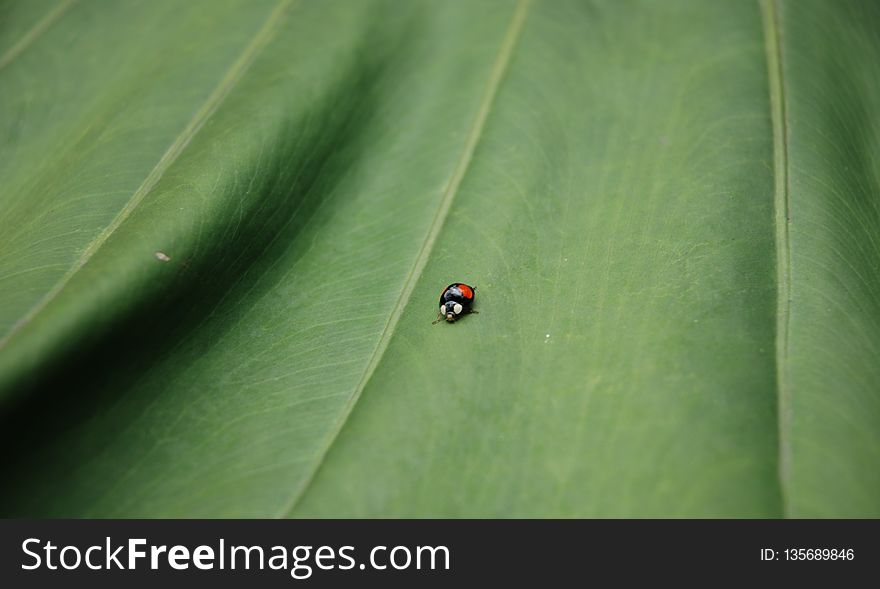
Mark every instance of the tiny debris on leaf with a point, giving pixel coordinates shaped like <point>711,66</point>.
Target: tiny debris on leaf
<point>162,257</point>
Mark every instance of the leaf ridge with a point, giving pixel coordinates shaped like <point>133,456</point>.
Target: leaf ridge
<point>782,205</point>
<point>498,71</point>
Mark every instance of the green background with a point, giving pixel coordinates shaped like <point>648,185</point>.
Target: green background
<point>224,227</point>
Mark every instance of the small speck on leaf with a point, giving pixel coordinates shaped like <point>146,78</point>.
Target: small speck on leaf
<point>162,257</point>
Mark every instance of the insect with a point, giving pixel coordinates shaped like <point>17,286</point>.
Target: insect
<point>456,300</point>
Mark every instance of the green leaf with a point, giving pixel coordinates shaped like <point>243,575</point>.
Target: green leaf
<point>829,81</point>
<point>224,228</point>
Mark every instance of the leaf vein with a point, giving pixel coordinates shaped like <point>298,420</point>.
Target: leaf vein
<point>782,200</point>
<point>498,71</point>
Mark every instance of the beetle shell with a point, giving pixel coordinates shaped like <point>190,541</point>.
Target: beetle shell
<point>456,300</point>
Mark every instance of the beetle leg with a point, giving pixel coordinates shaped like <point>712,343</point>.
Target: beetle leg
<point>439,318</point>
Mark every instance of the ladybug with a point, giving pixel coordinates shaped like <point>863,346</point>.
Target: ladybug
<point>456,300</point>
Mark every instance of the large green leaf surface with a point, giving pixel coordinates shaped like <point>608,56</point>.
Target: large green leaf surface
<point>224,227</point>
<point>830,361</point>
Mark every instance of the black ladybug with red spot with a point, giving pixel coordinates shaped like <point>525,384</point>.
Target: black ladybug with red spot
<point>456,300</point>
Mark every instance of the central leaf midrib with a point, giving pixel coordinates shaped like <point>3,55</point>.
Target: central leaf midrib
<point>475,133</point>
<point>782,206</point>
